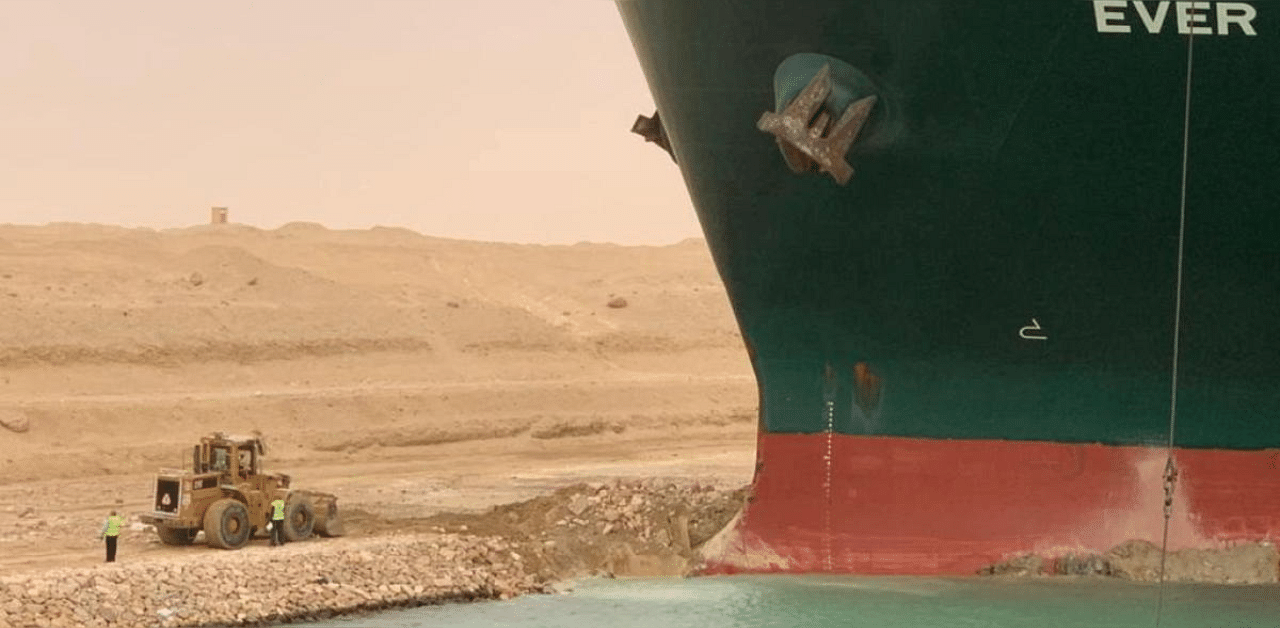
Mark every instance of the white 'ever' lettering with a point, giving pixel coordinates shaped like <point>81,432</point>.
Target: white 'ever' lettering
<point>1191,18</point>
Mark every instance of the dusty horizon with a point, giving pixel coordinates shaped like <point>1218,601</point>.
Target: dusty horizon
<point>490,121</point>
<point>293,225</point>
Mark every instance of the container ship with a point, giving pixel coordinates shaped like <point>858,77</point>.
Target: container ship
<point>1006,271</point>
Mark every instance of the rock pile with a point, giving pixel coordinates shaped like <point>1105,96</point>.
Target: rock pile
<point>1242,563</point>
<point>636,528</point>
<point>257,585</point>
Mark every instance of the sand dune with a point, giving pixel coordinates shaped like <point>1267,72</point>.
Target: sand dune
<point>303,287</point>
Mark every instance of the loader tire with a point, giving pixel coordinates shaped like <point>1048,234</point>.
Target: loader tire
<point>176,536</point>
<point>331,524</point>
<point>226,524</point>
<point>299,519</point>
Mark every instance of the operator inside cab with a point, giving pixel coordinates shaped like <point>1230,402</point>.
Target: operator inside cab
<point>220,459</point>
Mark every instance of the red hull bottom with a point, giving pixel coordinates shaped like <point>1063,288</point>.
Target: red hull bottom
<point>879,505</point>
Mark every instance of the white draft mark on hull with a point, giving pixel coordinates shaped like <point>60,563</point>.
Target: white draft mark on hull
<point>1032,332</point>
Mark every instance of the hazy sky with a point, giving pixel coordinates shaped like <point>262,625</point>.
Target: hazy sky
<point>483,119</point>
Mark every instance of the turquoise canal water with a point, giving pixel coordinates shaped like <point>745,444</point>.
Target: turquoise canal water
<point>851,601</point>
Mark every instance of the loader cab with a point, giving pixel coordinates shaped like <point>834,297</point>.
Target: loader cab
<point>231,457</point>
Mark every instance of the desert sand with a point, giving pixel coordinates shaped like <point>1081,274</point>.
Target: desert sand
<point>407,374</point>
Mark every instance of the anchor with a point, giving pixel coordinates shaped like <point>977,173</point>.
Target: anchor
<point>808,138</point>
<point>651,130</point>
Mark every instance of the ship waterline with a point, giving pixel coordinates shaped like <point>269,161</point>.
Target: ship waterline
<point>886,505</point>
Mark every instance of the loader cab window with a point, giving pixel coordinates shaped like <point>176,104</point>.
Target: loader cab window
<point>221,459</point>
<point>246,460</point>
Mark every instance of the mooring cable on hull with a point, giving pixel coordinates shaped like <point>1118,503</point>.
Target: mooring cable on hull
<point>1171,469</point>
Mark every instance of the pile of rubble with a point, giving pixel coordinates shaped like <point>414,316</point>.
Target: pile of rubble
<point>1242,563</point>
<point>633,528</point>
<point>259,585</point>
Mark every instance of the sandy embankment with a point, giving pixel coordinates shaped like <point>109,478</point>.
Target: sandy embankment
<point>408,375</point>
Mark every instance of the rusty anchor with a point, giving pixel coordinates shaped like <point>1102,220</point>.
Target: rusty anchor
<point>805,132</point>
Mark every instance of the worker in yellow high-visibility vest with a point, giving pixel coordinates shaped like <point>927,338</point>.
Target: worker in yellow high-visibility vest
<point>111,533</point>
<point>277,521</point>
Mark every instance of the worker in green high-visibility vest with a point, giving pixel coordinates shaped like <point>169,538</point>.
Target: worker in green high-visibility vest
<point>111,533</point>
<point>277,521</point>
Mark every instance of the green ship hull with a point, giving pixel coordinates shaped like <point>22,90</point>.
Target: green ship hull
<point>1054,233</point>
